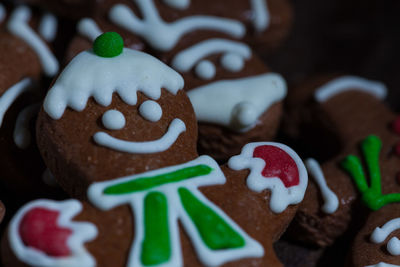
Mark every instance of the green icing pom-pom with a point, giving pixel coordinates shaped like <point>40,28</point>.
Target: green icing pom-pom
<point>109,44</point>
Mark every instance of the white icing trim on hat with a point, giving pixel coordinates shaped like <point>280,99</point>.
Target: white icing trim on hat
<point>11,94</point>
<point>164,36</point>
<point>381,233</point>
<point>89,29</point>
<point>350,83</point>
<point>82,232</point>
<point>331,200</point>
<point>22,135</point>
<point>175,128</point>
<point>260,17</point>
<point>178,4</point>
<point>186,59</point>
<point>48,27</point>
<point>244,100</point>
<point>19,26</point>
<point>3,13</point>
<point>89,75</point>
<point>281,197</point>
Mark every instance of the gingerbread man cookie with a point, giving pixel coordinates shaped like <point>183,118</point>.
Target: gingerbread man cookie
<point>122,135</point>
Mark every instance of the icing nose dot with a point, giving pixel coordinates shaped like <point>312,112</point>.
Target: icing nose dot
<point>150,110</point>
<point>113,120</point>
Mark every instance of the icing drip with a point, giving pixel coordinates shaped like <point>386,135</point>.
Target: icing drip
<point>88,75</point>
<point>18,25</point>
<point>261,16</point>
<point>48,27</point>
<point>164,36</point>
<point>205,70</point>
<point>381,233</point>
<point>113,120</point>
<point>12,94</point>
<point>80,233</point>
<point>285,185</point>
<point>22,135</point>
<point>2,13</point>
<point>331,200</point>
<point>178,4</point>
<point>175,128</point>
<point>89,29</point>
<point>186,59</point>
<point>159,199</point>
<point>244,100</point>
<point>150,110</point>
<point>348,83</point>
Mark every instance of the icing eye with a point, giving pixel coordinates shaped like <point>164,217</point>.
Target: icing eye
<point>113,120</point>
<point>232,62</point>
<point>205,70</point>
<point>150,110</point>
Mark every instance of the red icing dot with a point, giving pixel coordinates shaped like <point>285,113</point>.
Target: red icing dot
<point>396,125</point>
<point>38,229</point>
<point>278,164</point>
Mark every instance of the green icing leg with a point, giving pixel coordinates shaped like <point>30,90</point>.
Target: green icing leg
<point>156,248</point>
<point>215,232</point>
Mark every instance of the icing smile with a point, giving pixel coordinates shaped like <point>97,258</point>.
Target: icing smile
<point>175,128</point>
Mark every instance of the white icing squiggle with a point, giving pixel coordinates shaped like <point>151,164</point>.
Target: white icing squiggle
<point>19,26</point>
<point>261,17</point>
<point>164,36</point>
<point>88,75</point>
<point>2,13</point>
<point>348,83</point>
<point>383,264</point>
<point>88,28</point>
<point>11,95</point>
<point>187,58</point>
<point>244,100</point>
<point>330,198</point>
<point>381,233</point>
<point>22,135</point>
<point>48,27</point>
<point>175,128</point>
<point>178,4</point>
<point>82,232</point>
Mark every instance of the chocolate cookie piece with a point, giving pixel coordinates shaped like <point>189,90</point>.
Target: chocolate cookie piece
<point>130,138</point>
<point>353,109</point>
<point>26,58</point>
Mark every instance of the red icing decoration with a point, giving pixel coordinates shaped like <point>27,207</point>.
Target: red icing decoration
<point>396,125</point>
<point>38,229</point>
<point>278,163</point>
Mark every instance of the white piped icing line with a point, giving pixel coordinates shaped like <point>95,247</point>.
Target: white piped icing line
<point>186,59</point>
<point>331,200</point>
<point>22,135</point>
<point>81,232</point>
<point>89,75</point>
<point>176,127</point>
<point>89,29</point>
<point>176,211</point>
<point>48,27</point>
<point>11,94</point>
<point>281,196</point>
<point>164,36</point>
<point>349,83</point>
<point>150,110</point>
<point>381,233</point>
<point>19,26</point>
<point>383,264</point>
<point>178,4</point>
<point>261,17</point>
<point>3,13</point>
<point>113,120</point>
<point>244,100</point>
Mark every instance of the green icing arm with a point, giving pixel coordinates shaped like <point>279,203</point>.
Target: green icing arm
<point>215,232</point>
<point>352,165</point>
<point>156,248</point>
<point>145,183</point>
<point>371,146</point>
